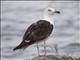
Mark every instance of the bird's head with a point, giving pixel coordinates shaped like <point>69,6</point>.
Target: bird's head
<point>48,13</point>
<point>51,11</point>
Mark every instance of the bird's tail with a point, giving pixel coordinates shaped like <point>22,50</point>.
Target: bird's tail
<point>23,45</point>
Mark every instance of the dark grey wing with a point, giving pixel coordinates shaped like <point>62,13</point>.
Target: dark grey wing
<point>26,38</point>
<point>35,33</point>
<point>29,31</point>
<point>38,31</point>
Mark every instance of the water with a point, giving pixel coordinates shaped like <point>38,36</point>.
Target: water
<point>17,16</point>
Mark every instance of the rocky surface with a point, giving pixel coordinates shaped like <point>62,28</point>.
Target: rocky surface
<point>51,57</point>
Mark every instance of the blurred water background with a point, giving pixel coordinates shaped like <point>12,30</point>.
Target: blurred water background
<point>16,16</point>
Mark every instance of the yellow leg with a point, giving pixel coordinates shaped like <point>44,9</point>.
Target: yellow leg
<point>38,49</point>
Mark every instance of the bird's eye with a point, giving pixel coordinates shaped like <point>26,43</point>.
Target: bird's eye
<point>49,10</point>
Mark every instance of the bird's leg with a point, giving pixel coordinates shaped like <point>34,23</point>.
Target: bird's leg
<point>45,48</point>
<point>38,49</point>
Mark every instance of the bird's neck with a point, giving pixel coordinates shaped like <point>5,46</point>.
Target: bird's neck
<point>47,18</point>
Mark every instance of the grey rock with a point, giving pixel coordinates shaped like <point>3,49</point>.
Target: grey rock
<point>52,57</point>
